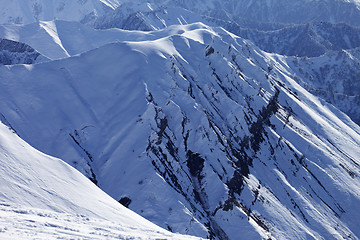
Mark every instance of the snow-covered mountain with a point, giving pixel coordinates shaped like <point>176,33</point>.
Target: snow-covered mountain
<point>335,77</point>
<point>197,130</point>
<point>306,40</point>
<point>280,36</point>
<point>42,197</point>
<point>59,39</point>
<point>310,39</point>
<point>29,11</point>
<point>184,112</point>
<point>278,11</point>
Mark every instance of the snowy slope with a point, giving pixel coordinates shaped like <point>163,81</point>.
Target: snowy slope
<point>31,223</point>
<point>198,131</point>
<point>42,197</point>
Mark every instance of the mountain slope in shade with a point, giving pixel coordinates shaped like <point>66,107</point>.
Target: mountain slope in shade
<point>42,197</point>
<point>12,52</point>
<point>198,131</point>
<point>278,11</point>
<point>305,40</point>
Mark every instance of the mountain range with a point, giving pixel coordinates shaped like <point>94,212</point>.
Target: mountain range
<point>217,119</point>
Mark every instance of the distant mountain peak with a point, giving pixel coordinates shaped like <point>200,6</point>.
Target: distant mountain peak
<point>24,12</point>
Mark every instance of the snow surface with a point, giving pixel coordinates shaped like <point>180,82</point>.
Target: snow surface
<point>42,197</point>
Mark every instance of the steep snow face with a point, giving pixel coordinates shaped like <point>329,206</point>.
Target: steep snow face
<point>198,131</point>
<point>43,197</point>
<point>24,12</point>
<point>12,52</point>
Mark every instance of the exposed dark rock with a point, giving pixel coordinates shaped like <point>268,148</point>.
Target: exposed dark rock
<point>125,201</point>
<point>235,184</point>
<point>195,163</point>
<point>257,128</point>
<point>12,52</point>
<point>92,176</point>
<point>210,51</point>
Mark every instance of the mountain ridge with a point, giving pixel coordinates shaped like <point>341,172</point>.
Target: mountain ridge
<point>180,120</point>
<point>198,74</point>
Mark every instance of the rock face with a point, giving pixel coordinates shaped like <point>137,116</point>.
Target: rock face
<point>12,52</point>
<point>198,131</point>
